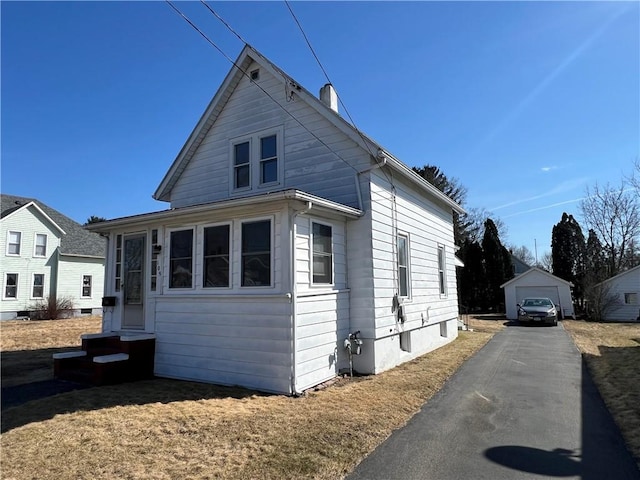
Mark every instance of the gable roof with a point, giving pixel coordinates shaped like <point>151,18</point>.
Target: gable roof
<point>626,272</point>
<point>530,271</point>
<point>75,240</point>
<point>219,100</point>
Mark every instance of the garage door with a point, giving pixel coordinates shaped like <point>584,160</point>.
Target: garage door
<point>547,292</point>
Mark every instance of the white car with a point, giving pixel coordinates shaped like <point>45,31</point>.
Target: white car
<point>540,310</point>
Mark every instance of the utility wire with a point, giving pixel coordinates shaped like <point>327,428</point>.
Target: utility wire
<point>212,43</point>
<point>326,75</point>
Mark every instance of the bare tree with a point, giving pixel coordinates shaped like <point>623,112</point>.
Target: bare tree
<point>523,253</point>
<point>600,300</point>
<point>545,262</point>
<point>614,215</point>
<point>474,221</point>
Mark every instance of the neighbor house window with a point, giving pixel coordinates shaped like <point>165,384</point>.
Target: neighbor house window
<point>322,254</point>
<point>86,286</point>
<point>255,160</point>
<point>442,274</point>
<point>40,249</point>
<point>631,298</point>
<point>403,265</point>
<point>216,256</point>
<point>38,286</point>
<point>242,165</point>
<point>181,259</point>
<point>13,244</point>
<point>256,254</point>
<point>11,285</point>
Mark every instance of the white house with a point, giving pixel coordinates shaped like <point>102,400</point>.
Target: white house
<point>46,254</point>
<point>626,287</point>
<point>535,282</point>
<point>287,231</point>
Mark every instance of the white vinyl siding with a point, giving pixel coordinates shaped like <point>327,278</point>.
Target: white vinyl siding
<point>71,271</point>
<point>303,162</point>
<point>225,339</point>
<point>626,288</point>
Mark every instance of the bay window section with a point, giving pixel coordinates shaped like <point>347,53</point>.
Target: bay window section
<point>256,254</point>
<point>216,256</point>
<point>181,259</point>
<point>322,254</point>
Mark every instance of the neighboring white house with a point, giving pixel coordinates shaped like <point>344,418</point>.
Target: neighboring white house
<point>626,287</point>
<point>287,231</point>
<point>535,282</point>
<point>46,253</point>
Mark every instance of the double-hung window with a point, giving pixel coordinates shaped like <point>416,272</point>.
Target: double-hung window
<point>11,285</point>
<point>40,249</point>
<point>442,272</point>
<point>216,256</point>
<point>13,244</point>
<point>631,298</point>
<point>86,286</point>
<point>256,160</point>
<point>181,259</point>
<point>322,254</point>
<point>38,285</point>
<point>256,254</point>
<point>403,265</point>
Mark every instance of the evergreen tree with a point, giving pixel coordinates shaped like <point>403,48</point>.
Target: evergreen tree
<point>595,265</point>
<point>567,253</point>
<point>472,278</point>
<point>497,264</point>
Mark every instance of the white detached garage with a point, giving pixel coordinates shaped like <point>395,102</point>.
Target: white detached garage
<point>537,283</point>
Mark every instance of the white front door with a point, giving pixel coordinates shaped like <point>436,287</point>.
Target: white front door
<point>133,282</point>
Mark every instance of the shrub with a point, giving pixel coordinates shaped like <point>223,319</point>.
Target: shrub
<point>51,308</point>
<point>600,300</point>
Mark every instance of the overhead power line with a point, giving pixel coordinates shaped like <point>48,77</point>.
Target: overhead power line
<point>246,74</point>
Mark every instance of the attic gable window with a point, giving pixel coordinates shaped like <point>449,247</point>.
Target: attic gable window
<point>256,161</point>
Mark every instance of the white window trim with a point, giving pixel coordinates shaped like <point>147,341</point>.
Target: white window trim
<point>35,245</point>
<point>254,160</point>
<point>82,286</point>
<point>333,255</point>
<point>444,270</point>
<point>33,284</point>
<point>624,298</point>
<point>272,284</point>
<point>200,274</point>
<point>194,253</point>
<point>8,244</point>
<point>408,266</point>
<point>4,287</point>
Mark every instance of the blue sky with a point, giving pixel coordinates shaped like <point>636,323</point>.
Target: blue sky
<point>525,103</point>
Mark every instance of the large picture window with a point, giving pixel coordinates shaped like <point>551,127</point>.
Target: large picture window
<point>442,272</point>
<point>13,244</point>
<point>38,285</point>
<point>181,259</point>
<point>322,254</point>
<point>11,285</point>
<point>216,256</point>
<point>256,254</point>
<point>40,249</point>
<point>403,265</point>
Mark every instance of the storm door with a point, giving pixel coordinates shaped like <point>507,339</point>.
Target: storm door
<point>133,281</point>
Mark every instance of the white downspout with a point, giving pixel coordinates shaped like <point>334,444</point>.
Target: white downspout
<point>294,291</point>
<point>357,177</point>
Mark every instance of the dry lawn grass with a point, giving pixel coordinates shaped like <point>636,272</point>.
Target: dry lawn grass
<point>27,346</point>
<point>164,429</point>
<point>612,354</point>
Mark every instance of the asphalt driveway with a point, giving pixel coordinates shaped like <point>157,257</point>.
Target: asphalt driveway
<point>524,407</point>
